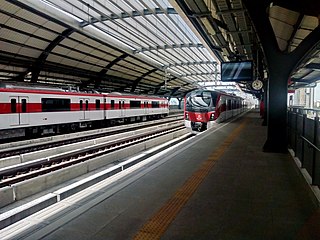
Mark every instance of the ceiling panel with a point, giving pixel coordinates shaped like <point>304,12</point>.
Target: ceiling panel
<point>29,52</point>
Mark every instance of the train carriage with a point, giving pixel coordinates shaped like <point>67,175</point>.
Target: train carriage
<point>204,108</point>
<point>27,110</point>
<point>134,107</point>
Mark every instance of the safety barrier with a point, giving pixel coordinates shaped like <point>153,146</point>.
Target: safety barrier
<point>304,139</point>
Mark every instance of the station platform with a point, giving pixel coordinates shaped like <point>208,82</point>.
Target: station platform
<point>218,185</point>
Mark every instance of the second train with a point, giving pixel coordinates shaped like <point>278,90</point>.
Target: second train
<point>204,108</point>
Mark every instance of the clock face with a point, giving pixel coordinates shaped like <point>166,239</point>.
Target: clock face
<point>257,84</point>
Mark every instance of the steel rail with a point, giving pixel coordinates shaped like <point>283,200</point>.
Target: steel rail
<point>30,170</point>
<point>27,149</point>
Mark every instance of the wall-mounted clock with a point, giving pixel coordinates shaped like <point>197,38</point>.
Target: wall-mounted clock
<point>257,84</point>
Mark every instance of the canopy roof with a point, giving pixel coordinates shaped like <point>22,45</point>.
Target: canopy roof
<point>226,23</point>
<point>162,47</point>
<point>132,46</point>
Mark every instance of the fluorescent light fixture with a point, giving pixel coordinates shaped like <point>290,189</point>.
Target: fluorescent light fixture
<point>108,35</point>
<point>150,58</point>
<point>61,10</point>
<point>174,71</point>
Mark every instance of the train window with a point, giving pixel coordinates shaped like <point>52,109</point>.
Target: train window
<point>135,104</point>
<point>13,105</point>
<point>154,104</point>
<point>200,101</point>
<point>87,105</point>
<point>229,104</point>
<point>97,104</point>
<point>206,97</point>
<point>123,104</point>
<point>112,104</point>
<point>55,104</point>
<point>81,107</point>
<point>214,96</point>
<point>24,105</point>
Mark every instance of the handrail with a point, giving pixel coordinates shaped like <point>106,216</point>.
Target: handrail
<point>311,112</point>
<point>310,143</point>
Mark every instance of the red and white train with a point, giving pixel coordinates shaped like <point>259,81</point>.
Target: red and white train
<point>26,110</point>
<point>203,108</point>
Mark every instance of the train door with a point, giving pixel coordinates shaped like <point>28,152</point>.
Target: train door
<point>229,109</point>
<point>84,108</point>
<point>20,115</point>
<point>121,108</point>
<point>145,107</point>
<point>223,109</point>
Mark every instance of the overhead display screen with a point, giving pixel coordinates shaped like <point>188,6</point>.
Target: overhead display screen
<point>236,71</point>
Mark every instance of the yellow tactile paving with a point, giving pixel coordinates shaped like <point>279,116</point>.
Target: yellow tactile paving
<point>157,225</point>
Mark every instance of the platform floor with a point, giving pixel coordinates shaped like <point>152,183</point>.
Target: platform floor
<point>219,186</point>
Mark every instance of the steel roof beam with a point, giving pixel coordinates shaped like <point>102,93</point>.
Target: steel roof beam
<point>240,10</point>
<point>166,46</point>
<point>191,63</point>
<point>156,90</point>
<point>137,14</point>
<point>141,38</point>
<point>29,8</point>
<point>173,91</point>
<point>99,75</point>
<point>165,58</point>
<point>112,63</point>
<point>198,74</point>
<point>173,39</point>
<point>295,30</point>
<point>200,29</point>
<point>136,82</point>
<point>314,66</point>
<point>123,15</point>
<point>37,66</point>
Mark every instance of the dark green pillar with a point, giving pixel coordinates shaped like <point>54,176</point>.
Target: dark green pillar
<point>277,111</point>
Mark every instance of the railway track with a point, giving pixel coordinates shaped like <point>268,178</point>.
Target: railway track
<point>28,170</point>
<point>40,146</point>
<point>36,172</point>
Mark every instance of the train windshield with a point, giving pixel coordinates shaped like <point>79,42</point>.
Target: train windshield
<point>201,101</point>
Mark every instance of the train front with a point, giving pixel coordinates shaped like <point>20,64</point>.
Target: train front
<point>199,110</point>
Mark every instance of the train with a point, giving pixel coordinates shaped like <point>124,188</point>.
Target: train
<point>204,108</point>
<point>28,110</point>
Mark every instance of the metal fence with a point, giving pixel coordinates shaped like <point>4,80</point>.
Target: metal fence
<point>304,139</point>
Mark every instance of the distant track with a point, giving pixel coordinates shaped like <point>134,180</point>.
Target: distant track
<point>21,172</point>
<point>40,146</point>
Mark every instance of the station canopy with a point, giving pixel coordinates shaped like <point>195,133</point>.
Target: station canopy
<point>227,24</point>
<point>141,46</point>
<point>158,47</point>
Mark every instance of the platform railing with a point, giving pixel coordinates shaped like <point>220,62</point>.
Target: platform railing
<point>304,139</point>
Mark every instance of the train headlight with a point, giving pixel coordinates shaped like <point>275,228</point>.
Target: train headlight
<point>187,116</point>
<point>212,116</point>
